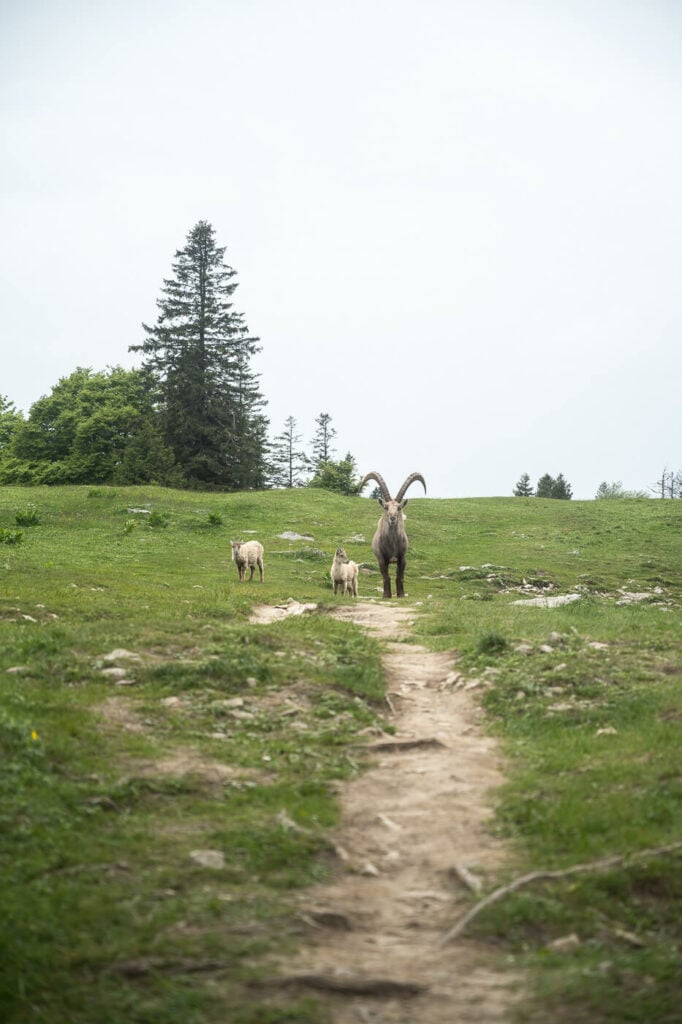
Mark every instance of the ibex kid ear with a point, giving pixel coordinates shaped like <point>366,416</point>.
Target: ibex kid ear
<point>404,502</point>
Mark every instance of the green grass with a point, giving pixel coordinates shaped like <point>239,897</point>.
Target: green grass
<point>107,790</point>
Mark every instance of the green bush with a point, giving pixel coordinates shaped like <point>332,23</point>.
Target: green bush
<point>27,516</point>
<point>11,536</point>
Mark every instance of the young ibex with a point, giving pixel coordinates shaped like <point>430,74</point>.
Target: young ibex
<point>247,556</point>
<point>390,540</point>
<point>344,574</point>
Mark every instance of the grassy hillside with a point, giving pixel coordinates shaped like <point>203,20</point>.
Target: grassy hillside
<point>216,735</point>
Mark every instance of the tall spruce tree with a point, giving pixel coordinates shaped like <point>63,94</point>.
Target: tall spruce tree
<point>197,358</point>
<point>322,441</point>
<point>289,461</point>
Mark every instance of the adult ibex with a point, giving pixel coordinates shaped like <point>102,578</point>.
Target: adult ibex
<point>390,540</point>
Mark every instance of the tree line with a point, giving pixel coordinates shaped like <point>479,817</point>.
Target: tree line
<point>192,415</point>
<point>669,485</point>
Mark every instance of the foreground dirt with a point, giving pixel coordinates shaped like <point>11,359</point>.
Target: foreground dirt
<point>419,813</point>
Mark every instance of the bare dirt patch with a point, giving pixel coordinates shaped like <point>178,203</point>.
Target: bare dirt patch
<point>420,811</point>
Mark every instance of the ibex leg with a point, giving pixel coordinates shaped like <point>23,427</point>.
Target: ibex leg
<point>383,567</point>
<point>400,576</point>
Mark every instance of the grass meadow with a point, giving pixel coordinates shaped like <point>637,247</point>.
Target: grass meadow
<point>144,721</point>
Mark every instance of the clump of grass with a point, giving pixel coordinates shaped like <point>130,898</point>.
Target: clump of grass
<point>11,536</point>
<point>215,519</point>
<point>27,516</point>
<point>158,520</point>
<point>491,643</point>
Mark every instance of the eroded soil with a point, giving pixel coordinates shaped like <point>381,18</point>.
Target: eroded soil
<point>420,810</point>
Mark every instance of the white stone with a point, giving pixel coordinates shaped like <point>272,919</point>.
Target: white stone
<point>208,858</point>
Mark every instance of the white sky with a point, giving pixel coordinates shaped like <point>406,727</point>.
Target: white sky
<point>456,224</point>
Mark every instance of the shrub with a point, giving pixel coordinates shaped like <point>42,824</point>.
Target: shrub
<point>158,520</point>
<point>27,516</point>
<point>11,536</point>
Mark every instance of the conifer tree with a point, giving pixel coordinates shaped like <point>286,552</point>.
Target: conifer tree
<point>523,487</point>
<point>197,358</point>
<point>288,460</point>
<point>562,488</point>
<point>544,486</point>
<point>322,441</point>
<point>549,487</point>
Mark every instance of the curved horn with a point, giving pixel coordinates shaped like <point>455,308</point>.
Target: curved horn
<point>380,480</point>
<point>410,480</point>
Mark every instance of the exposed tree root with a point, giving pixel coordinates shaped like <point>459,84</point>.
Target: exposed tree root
<point>347,984</point>
<point>540,876</point>
<point>388,745</point>
<point>179,965</point>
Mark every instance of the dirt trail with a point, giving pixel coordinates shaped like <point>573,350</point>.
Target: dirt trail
<point>406,821</point>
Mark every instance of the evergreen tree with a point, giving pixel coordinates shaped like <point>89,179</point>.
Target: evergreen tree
<point>523,488</point>
<point>197,358</point>
<point>322,441</point>
<point>341,476</point>
<point>561,488</point>
<point>549,487</point>
<point>288,460</point>
<point>545,486</point>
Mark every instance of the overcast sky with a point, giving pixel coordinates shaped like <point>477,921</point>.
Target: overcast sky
<point>456,224</point>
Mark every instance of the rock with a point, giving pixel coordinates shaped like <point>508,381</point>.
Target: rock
<point>546,649</point>
<point>120,654</point>
<point>607,731</point>
<point>549,602</point>
<point>632,598</point>
<point>113,673</point>
<point>16,670</point>
<point>523,648</point>
<point>291,535</point>
<point>208,858</point>
<point>595,645</point>
<point>468,878</point>
<point>329,919</point>
<point>565,944</point>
